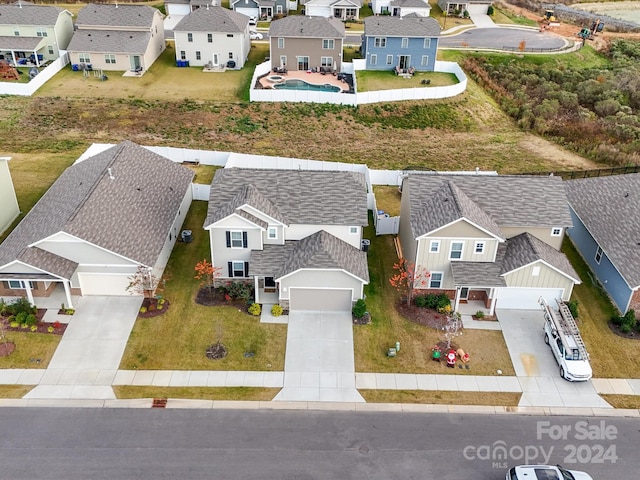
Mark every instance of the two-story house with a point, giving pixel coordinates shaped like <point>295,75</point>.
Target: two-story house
<point>213,35</point>
<point>10,210</point>
<point>33,32</point>
<point>301,43</point>
<point>117,37</point>
<point>400,43</point>
<point>489,238</point>
<point>295,234</point>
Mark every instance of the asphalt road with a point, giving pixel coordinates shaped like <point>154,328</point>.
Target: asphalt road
<point>58,443</point>
<point>500,38</point>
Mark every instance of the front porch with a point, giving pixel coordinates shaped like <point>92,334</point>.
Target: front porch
<point>477,282</point>
<point>51,303</point>
<point>53,298</point>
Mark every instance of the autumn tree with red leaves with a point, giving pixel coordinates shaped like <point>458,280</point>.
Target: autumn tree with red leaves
<point>407,278</point>
<point>206,273</point>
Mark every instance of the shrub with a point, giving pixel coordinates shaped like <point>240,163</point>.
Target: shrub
<point>21,317</point>
<point>34,328</point>
<point>143,309</point>
<point>276,310</point>
<point>616,320</point>
<point>14,324</point>
<point>573,308</point>
<point>490,10</point>
<point>421,301</point>
<point>21,305</point>
<point>69,311</point>
<point>152,307</point>
<point>239,291</point>
<point>161,301</point>
<point>438,301</point>
<point>3,307</point>
<point>359,309</point>
<point>625,328</point>
<point>31,320</point>
<point>24,326</point>
<point>50,329</point>
<point>255,309</point>
<point>479,314</point>
<point>159,306</point>
<point>57,324</point>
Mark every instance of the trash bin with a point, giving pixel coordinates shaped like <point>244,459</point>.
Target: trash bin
<point>186,236</point>
<point>365,244</point>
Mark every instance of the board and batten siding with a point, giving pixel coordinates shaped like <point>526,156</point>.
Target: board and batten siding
<point>546,278</point>
<point>541,233</point>
<point>336,279</point>
<point>299,231</point>
<point>80,251</point>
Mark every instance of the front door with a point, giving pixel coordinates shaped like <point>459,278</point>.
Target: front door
<point>135,62</point>
<point>404,62</point>
<point>216,61</point>
<point>303,63</point>
<point>464,294</point>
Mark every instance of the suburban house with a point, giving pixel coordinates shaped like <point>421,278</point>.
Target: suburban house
<point>606,232</point>
<point>453,7</point>
<point>301,43</point>
<point>10,209</point>
<point>400,8</point>
<point>490,238</point>
<point>213,36</point>
<point>185,7</point>
<point>101,220</point>
<point>341,9</point>
<point>262,9</point>
<point>400,43</point>
<point>295,234</point>
<point>33,32</point>
<point>117,37</point>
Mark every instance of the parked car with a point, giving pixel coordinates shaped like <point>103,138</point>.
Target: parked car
<point>253,20</point>
<point>255,35</point>
<point>548,472</point>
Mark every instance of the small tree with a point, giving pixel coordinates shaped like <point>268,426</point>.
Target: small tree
<point>143,282</point>
<point>206,273</point>
<point>407,278</point>
<point>453,328</point>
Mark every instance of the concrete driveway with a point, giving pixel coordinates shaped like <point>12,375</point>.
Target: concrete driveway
<point>89,354</point>
<point>536,368</point>
<point>319,363</point>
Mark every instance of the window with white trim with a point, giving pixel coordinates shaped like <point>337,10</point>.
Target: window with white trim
<point>84,58</point>
<point>283,60</point>
<point>50,48</point>
<point>236,239</point>
<point>16,32</point>
<point>183,55</point>
<point>209,37</point>
<point>110,58</point>
<point>374,59</point>
<point>427,43</point>
<point>198,55</point>
<point>405,43</point>
<point>380,42</point>
<point>326,61</point>
<point>41,32</point>
<point>190,37</point>
<point>389,59</point>
<point>478,247</point>
<point>353,230</point>
<point>435,281</point>
<point>535,272</point>
<point>599,254</point>
<point>424,61</point>
<point>272,233</point>
<point>434,246</point>
<point>328,44</point>
<point>237,269</point>
<point>281,43</point>
<point>19,284</point>
<point>556,231</point>
<point>456,250</point>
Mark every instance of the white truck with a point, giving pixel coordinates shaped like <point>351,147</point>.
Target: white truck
<point>563,337</point>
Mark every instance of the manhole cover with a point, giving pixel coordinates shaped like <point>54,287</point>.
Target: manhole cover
<point>364,450</point>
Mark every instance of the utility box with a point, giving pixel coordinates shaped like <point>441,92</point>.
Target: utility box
<point>366,243</point>
<point>186,236</point>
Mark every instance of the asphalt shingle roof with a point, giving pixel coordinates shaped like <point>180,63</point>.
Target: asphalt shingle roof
<point>525,249</point>
<point>39,15</point>
<point>609,207</point>
<point>304,197</point>
<point>129,214</point>
<point>307,27</point>
<point>15,43</point>
<point>320,250</point>
<point>508,200</point>
<point>410,3</point>
<point>109,41</point>
<point>115,15</point>
<point>213,19</point>
<point>401,26</point>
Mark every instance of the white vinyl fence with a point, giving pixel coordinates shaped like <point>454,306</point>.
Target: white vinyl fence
<point>28,89</point>
<point>200,191</point>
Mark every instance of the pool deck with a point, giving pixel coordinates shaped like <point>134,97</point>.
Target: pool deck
<point>315,78</point>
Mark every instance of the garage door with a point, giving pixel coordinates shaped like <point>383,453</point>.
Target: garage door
<point>320,299</point>
<point>481,8</point>
<point>514,298</point>
<point>100,284</point>
<point>177,9</point>
<point>249,12</point>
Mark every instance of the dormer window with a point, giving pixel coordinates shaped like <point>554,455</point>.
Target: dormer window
<point>353,230</point>
<point>272,233</point>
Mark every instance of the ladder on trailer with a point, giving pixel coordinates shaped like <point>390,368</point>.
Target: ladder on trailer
<point>565,323</point>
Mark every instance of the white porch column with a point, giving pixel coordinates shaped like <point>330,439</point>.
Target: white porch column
<point>27,288</point>
<point>67,292</point>
<point>457,301</point>
<point>255,287</point>
<point>492,307</point>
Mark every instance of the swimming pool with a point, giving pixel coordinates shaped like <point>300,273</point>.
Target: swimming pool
<point>295,84</point>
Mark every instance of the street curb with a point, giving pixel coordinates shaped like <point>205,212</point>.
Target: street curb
<point>177,404</point>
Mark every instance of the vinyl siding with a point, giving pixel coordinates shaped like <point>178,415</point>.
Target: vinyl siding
<point>306,47</point>
<point>320,279</point>
<point>80,251</point>
<point>221,254</point>
<point>10,210</point>
<point>409,244</point>
<point>393,47</point>
<point>547,278</point>
<point>541,233</point>
<point>222,45</point>
<point>298,232</point>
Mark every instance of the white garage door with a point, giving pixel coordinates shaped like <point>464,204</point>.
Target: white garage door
<point>176,9</point>
<point>514,298</point>
<point>249,12</point>
<point>101,284</point>
<point>478,8</point>
<point>328,300</point>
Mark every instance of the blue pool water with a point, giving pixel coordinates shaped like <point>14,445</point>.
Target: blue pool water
<point>295,84</point>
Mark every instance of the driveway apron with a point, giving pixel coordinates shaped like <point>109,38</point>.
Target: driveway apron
<point>319,363</point>
<point>536,368</point>
<point>88,356</point>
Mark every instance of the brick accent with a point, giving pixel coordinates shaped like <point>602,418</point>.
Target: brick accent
<point>39,290</point>
<point>635,303</point>
<point>426,291</point>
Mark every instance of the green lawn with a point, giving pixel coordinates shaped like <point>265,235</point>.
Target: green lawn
<point>505,16</point>
<point>197,393</point>
<point>442,397</point>
<point>487,348</point>
<point>388,199</point>
<point>30,347</point>
<point>178,339</point>
<point>371,80</point>
<point>14,391</point>
<point>611,356</point>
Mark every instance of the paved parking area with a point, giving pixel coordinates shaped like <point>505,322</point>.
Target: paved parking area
<point>536,368</point>
<point>319,362</point>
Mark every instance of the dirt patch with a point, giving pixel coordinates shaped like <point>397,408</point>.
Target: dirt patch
<point>216,351</point>
<point>563,158</point>
<point>422,316</point>
<point>7,348</point>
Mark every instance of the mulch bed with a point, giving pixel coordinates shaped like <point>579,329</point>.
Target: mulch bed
<point>365,320</point>
<point>7,348</point>
<point>42,327</point>
<point>216,351</point>
<point>214,298</point>
<point>422,316</point>
<point>632,335</point>
<point>151,304</point>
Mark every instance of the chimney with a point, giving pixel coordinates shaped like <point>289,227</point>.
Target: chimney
<point>110,173</point>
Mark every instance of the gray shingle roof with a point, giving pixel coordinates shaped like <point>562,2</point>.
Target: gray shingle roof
<point>39,15</point>
<point>320,250</point>
<point>109,41</point>
<point>307,27</point>
<point>410,3</point>
<point>449,203</point>
<point>525,249</point>
<point>401,26</point>
<point>130,214</point>
<point>29,43</point>
<point>291,196</point>
<point>213,19</point>
<point>609,207</point>
<point>118,15</point>
<point>508,200</point>
<point>478,274</point>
